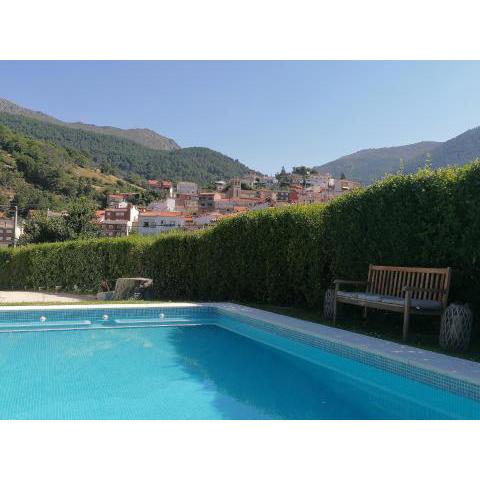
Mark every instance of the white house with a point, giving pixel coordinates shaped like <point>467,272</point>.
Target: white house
<point>119,221</point>
<point>206,218</point>
<point>152,222</point>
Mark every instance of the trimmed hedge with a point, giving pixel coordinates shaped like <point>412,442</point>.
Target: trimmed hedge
<point>82,264</point>
<point>285,255</point>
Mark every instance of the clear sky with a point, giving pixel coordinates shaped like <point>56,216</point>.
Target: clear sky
<point>266,114</point>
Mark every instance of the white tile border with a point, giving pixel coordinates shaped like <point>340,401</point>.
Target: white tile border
<point>439,363</point>
<point>93,306</point>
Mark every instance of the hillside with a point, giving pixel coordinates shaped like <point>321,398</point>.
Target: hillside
<point>142,136</point>
<point>36,174</point>
<point>457,151</point>
<point>371,164</point>
<point>126,158</point>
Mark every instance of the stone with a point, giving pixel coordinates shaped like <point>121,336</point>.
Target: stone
<point>132,288</point>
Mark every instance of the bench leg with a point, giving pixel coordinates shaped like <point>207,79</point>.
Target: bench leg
<point>335,307</point>
<point>406,316</point>
<point>406,321</point>
<point>365,312</point>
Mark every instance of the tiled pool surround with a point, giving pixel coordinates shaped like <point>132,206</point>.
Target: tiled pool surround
<point>448,373</point>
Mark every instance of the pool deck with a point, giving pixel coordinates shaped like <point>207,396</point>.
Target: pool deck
<point>439,363</point>
<point>41,297</point>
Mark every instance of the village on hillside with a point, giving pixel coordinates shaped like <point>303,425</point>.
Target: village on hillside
<point>186,206</point>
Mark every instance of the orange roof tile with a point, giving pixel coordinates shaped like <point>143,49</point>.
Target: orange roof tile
<point>151,213</point>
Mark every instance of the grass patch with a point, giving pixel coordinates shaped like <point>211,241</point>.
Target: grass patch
<point>423,333</point>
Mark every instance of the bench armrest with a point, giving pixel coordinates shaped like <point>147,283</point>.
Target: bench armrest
<point>349,282</point>
<point>426,290</point>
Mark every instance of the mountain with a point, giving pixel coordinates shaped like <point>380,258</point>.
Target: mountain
<point>120,156</point>
<point>457,151</point>
<point>142,136</point>
<point>371,164</point>
<point>38,174</point>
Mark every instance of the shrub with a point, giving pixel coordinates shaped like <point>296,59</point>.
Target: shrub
<point>81,263</point>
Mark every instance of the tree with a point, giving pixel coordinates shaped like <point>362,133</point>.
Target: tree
<point>41,229</point>
<point>304,172</point>
<point>4,200</point>
<point>283,178</point>
<point>80,219</point>
<point>428,161</point>
<point>342,176</point>
<point>78,222</point>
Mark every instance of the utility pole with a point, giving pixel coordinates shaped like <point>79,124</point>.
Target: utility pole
<point>15,223</point>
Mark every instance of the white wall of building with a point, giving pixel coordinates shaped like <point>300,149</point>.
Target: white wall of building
<point>167,205</point>
<point>153,224</point>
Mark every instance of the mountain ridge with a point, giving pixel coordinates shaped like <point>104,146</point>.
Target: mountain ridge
<point>370,164</point>
<point>123,157</point>
<point>143,136</point>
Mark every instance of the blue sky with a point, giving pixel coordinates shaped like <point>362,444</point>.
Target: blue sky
<point>266,114</point>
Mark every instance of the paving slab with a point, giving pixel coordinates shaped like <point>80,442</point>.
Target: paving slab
<point>41,297</point>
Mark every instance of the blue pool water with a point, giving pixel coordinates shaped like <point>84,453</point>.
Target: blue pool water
<point>197,370</point>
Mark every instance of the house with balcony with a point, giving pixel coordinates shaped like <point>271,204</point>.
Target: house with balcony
<point>118,221</point>
<point>9,235</point>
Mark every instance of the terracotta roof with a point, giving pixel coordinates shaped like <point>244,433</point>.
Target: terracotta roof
<point>161,214</point>
<point>116,210</point>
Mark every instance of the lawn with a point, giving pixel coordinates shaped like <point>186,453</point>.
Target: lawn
<point>388,326</point>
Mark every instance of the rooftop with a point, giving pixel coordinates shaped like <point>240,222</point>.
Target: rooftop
<point>161,214</point>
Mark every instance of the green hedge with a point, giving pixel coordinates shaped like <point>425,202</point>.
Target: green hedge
<point>81,264</point>
<point>286,255</point>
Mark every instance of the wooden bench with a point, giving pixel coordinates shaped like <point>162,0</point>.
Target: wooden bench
<point>411,290</point>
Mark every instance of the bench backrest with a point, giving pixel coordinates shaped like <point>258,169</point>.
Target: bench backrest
<point>387,280</point>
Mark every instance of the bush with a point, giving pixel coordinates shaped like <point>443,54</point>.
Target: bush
<point>82,263</point>
<point>285,255</point>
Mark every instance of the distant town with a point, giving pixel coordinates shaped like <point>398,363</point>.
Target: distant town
<point>186,206</point>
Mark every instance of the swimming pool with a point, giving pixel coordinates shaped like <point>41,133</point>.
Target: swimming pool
<point>213,362</point>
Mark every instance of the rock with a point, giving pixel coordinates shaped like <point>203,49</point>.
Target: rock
<point>132,288</point>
